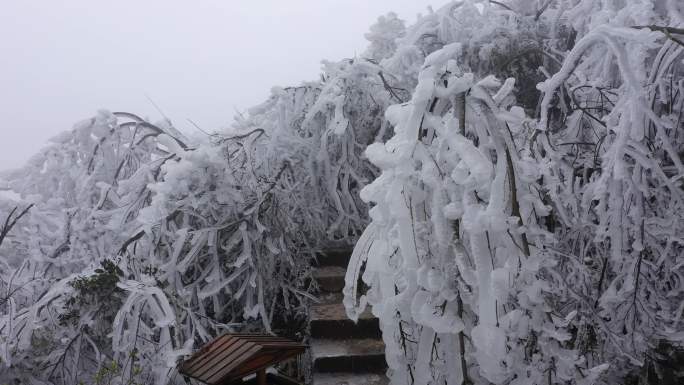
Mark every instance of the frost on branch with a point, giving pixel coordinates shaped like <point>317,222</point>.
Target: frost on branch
<point>532,243</point>
<point>198,238</point>
<point>522,165</point>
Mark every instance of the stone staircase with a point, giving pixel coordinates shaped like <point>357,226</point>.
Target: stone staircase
<point>343,352</point>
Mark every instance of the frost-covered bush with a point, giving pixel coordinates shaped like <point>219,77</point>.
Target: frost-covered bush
<point>521,237</point>
<point>383,36</point>
<point>522,165</point>
<point>86,188</point>
<point>204,237</point>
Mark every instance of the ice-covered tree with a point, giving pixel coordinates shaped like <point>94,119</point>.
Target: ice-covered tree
<point>522,165</point>
<point>530,244</point>
<point>161,245</point>
<point>87,187</point>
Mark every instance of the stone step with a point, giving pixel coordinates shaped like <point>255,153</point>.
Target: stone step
<point>329,321</point>
<point>330,297</point>
<point>350,379</point>
<point>335,257</point>
<point>355,356</point>
<point>330,278</point>
<point>334,311</point>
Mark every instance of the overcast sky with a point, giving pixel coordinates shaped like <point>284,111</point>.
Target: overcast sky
<point>61,61</point>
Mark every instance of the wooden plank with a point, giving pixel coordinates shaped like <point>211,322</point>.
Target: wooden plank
<point>231,357</point>
<point>240,356</point>
<point>219,360</point>
<point>209,349</point>
<point>254,364</point>
<point>197,365</point>
<point>273,359</point>
<point>261,377</point>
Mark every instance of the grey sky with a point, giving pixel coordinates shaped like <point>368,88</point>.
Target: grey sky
<point>61,61</point>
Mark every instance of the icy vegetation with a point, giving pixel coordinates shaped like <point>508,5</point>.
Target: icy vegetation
<point>510,172</point>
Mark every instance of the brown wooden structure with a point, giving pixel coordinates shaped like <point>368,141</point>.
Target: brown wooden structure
<point>231,357</point>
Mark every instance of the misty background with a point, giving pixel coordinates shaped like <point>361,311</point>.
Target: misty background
<point>199,60</point>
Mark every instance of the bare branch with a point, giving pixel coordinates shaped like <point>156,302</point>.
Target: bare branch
<point>542,9</point>
<point>10,221</point>
<point>502,5</point>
